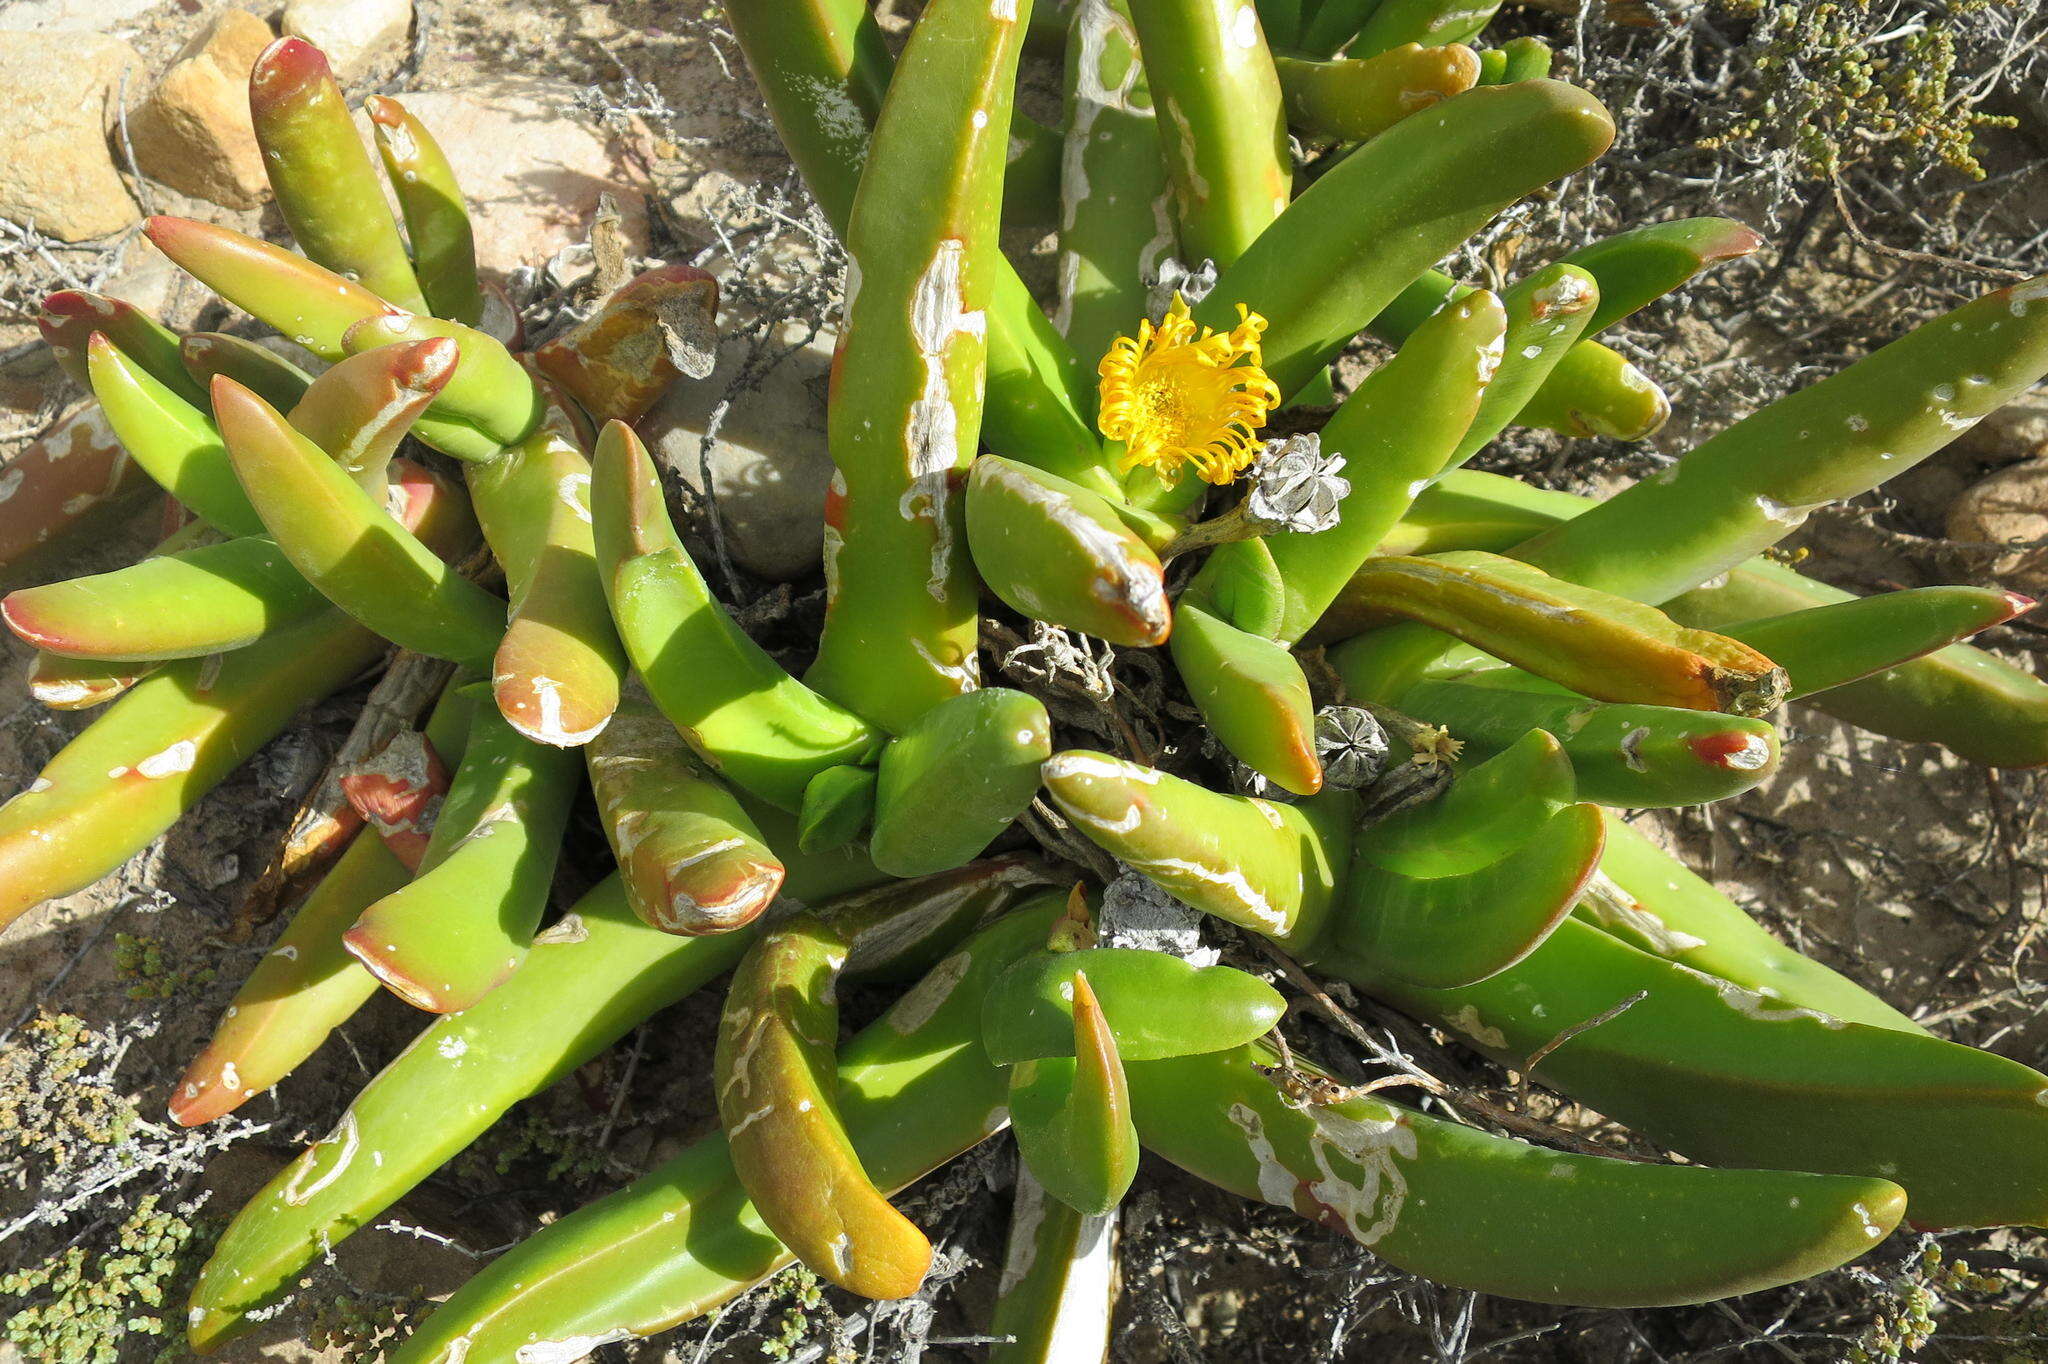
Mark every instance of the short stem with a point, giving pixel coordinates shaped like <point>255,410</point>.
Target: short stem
<point>1239,523</point>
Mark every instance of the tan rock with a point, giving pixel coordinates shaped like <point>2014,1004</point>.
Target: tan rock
<point>532,163</point>
<point>2019,430</point>
<point>192,132</point>
<point>2009,509</point>
<point>57,172</point>
<point>99,16</point>
<point>769,465</point>
<point>358,36</point>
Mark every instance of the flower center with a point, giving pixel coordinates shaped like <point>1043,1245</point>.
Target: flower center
<point>1178,395</point>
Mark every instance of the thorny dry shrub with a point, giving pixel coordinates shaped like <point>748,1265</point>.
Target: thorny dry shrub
<point>1889,150</point>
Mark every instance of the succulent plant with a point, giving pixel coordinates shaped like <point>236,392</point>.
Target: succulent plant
<point>1526,663</point>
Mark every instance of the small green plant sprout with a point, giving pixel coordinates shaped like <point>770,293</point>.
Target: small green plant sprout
<point>852,805</point>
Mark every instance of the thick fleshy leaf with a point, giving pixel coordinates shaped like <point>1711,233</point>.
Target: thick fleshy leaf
<point>1651,901</point>
<point>1448,168</point>
<point>69,318</point>
<point>172,440</point>
<point>776,1081</point>
<point>1273,869</point>
<point>307,983</point>
<point>139,767</point>
<point>1757,481</point>
<point>1058,1284</point>
<point>691,859</point>
<point>1111,179</point>
<point>1395,433</point>
<point>361,408</point>
<point>838,803</point>
<point>751,721</point>
<point>1970,701</point>
<point>348,546</point>
<point>1358,99</point>
<point>60,683</point>
<point>1252,695</point>
<point>1829,645</point>
<point>1461,1206</point>
<point>303,987</point>
<point>489,394</point>
<point>275,379</point>
<point>1597,391</point>
<point>577,994</point>
<point>1072,1115</point>
<point>443,243</point>
<point>1059,553</point>
<point>1598,644</point>
<point>914,1092</point>
<point>1393,23</point>
<point>1226,136</point>
<point>956,778</point>
<point>466,921</point>
<point>1156,1004</point>
<point>1726,1075</point>
<point>908,376</point>
<point>326,187</point>
<point>1452,930</point>
<point>1622,755</point>
<point>210,598</point>
<point>557,672</point>
<point>313,307</point>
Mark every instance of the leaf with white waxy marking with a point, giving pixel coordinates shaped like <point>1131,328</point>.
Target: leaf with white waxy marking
<point>556,673</point>
<point>1273,869</point>
<point>777,1088</point>
<point>1059,553</point>
<point>692,860</point>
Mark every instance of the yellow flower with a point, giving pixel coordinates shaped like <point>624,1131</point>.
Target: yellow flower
<point>1174,397</point>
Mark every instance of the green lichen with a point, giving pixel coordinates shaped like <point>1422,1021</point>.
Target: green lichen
<point>564,1153</point>
<point>793,1327</point>
<point>142,962</point>
<point>1833,91</point>
<point>357,1328</point>
<point>1907,1309</point>
<point>81,1307</point>
<point>58,1107</point>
